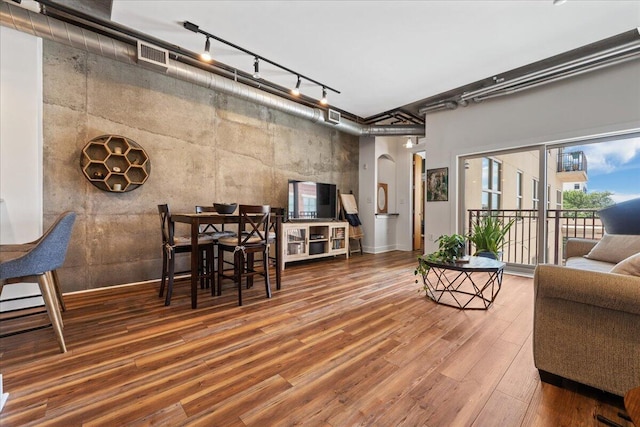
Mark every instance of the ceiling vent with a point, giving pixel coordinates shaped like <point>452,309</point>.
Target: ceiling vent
<point>153,56</point>
<point>333,116</point>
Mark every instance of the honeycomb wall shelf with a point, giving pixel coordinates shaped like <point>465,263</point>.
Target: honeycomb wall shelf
<point>115,163</point>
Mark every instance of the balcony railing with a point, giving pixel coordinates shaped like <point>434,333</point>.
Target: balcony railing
<point>522,238</point>
<point>575,161</point>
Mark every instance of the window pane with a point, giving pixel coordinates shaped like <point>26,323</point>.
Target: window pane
<point>485,173</point>
<point>495,201</point>
<point>485,200</point>
<point>495,176</point>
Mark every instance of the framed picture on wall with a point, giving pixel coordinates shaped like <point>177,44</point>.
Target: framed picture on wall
<point>438,185</point>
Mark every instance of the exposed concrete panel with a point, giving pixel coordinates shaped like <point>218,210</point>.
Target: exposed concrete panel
<point>204,147</point>
<point>149,101</point>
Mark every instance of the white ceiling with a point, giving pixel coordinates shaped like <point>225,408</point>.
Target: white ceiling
<point>383,54</point>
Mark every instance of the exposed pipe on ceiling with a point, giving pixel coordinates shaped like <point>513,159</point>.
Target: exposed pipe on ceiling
<point>592,62</point>
<point>588,63</point>
<point>558,77</point>
<point>49,28</point>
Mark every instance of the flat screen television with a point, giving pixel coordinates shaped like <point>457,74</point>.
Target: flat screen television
<point>310,201</point>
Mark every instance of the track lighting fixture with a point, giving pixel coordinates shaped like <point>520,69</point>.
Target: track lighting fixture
<point>296,91</point>
<point>324,100</point>
<point>206,55</point>
<point>256,68</point>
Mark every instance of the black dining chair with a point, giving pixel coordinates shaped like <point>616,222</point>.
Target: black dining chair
<point>275,251</point>
<point>215,232</point>
<point>252,239</point>
<point>172,245</point>
<point>37,263</point>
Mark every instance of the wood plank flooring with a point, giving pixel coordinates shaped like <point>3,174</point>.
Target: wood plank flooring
<point>344,343</point>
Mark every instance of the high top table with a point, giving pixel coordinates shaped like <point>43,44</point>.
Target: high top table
<point>196,219</point>
<point>461,284</point>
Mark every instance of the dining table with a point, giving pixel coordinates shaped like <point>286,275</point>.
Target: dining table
<point>203,218</point>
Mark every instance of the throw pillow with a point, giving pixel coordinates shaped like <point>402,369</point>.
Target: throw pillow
<point>630,266</point>
<point>615,247</point>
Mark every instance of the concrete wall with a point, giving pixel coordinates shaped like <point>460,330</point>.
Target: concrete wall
<point>203,146</point>
<point>592,104</point>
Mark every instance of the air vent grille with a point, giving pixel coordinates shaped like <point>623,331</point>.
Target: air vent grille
<point>333,116</point>
<point>153,56</point>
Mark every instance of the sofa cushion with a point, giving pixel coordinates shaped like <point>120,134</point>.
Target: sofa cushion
<point>582,263</point>
<point>630,266</point>
<point>615,247</point>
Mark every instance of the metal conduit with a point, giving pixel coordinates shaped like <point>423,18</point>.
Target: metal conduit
<point>592,62</point>
<point>53,29</point>
<point>629,48</point>
<point>562,76</point>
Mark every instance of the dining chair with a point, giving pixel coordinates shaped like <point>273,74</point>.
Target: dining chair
<point>25,247</point>
<point>215,233</point>
<point>252,239</point>
<point>275,252</point>
<point>38,263</point>
<point>172,245</point>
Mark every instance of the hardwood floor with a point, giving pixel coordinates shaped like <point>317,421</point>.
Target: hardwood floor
<point>344,343</point>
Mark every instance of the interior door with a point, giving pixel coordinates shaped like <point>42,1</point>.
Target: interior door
<point>418,202</point>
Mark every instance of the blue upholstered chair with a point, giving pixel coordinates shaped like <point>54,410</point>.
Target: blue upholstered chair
<point>26,247</point>
<point>38,263</point>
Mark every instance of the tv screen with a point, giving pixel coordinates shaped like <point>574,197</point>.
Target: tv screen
<point>311,201</point>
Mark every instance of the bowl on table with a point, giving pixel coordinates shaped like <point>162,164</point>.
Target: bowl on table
<point>225,208</point>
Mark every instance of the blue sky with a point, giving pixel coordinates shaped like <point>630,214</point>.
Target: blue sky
<point>615,167</point>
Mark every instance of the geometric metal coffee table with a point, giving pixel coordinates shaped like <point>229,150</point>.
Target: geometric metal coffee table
<point>472,285</point>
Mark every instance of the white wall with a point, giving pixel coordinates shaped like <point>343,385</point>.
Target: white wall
<point>366,191</point>
<point>386,233</point>
<point>20,136</point>
<point>592,104</point>
<point>20,142</point>
<point>391,164</point>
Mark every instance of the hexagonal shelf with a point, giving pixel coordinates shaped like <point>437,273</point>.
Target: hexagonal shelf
<point>115,163</point>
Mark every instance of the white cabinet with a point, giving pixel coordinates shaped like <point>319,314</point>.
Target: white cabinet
<point>308,240</point>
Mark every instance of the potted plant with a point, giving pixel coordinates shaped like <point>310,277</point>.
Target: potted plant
<point>488,236</point>
<point>450,248</point>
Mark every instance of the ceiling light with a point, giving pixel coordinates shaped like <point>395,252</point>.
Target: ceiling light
<point>324,100</point>
<point>296,91</point>
<point>206,55</point>
<point>409,143</point>
<point>256,68</point>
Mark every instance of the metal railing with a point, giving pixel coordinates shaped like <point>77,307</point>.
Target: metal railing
<point>575,161</point>
<point>522,237</point>
<point>582,223</point>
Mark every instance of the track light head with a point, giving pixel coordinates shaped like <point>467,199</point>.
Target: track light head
<point>256,68</point>
<point>296,91</point>
<point>206,55</point>
<point>324,100</point>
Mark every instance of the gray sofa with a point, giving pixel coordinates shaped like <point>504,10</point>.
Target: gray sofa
<point>587,322</point>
